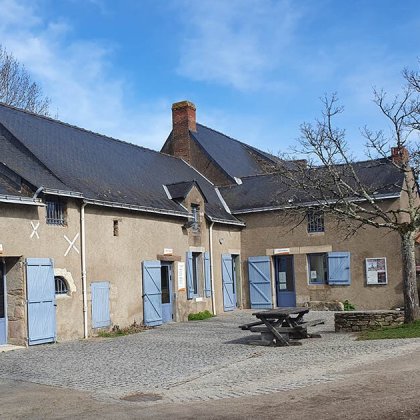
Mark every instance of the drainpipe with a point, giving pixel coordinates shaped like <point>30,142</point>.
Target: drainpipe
<point>213,298</point>
<point>37,192</point>
<point>83,256</point>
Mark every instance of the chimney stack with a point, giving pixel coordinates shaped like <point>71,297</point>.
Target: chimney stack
<point>183,121</point>
<point>399,154</point>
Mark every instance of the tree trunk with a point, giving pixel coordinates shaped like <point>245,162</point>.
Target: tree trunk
<point>411,297</point>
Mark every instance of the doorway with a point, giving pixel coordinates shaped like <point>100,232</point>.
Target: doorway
<point>166,288</point>
<point>229,268</point>
<point>285,281</point>
<point>3,314</point>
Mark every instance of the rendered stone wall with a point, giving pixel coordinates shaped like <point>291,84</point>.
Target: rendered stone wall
<point>366,320</point>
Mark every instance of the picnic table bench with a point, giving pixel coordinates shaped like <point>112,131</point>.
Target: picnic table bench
<point>281,326</point>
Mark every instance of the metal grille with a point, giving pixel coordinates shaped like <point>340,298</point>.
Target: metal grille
<point>315,221</point>
<point>55,213</point>
<point>195,210</point>
<point>60,286</point>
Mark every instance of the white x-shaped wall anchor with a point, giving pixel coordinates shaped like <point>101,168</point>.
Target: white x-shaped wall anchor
<point>34,230</point>
<point>71,244</point>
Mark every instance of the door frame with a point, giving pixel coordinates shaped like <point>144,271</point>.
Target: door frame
<point>6,323</point>
<point>275,277</point>
<point>170,266</point>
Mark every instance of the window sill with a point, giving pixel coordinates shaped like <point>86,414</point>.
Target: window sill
<point>62,296</point>
<point>318,285</point>
<point>316,233</point>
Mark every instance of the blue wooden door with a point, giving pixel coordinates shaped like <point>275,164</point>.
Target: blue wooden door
<point>101,316</point>
<point>3,307</point>
<point>259,282</point>
<point>166,291</point>
<point>152,293</point>
<point>41,300</point>
<point>285,282</point>
<point>229,286</point>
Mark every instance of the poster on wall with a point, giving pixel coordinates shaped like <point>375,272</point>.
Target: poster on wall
<point>376,271</point>
<point>181,276</point>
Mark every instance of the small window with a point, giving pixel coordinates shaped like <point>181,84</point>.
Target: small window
<point>56,213</point>
<point>60,286</point>
<point>116,228</point>
<point>195,271</point>
<point>315,221</point>
<point>318,268</point>
<point>195,210</point>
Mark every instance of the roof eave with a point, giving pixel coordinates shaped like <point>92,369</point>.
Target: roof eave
<point>309,204</point>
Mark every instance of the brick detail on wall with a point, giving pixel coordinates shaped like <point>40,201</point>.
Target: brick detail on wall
<point>366,320</point>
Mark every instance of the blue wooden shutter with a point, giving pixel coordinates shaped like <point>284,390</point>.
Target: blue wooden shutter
<point>152,293</point>
<point>190,285</point>
<point>260,292</point>
<point>229,300</point>
<point>41,300</point>
<point>339,268</point>
<point>100,304</point>
<point>207,282</point>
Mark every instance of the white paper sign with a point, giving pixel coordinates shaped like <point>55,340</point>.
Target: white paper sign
<point>282,277</point>
<point>376,272</point>
<point>281,251</point>
<point>313,275</point>
<point>181,276</point>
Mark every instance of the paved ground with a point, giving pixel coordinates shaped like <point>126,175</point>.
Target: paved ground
<point>203,361</point>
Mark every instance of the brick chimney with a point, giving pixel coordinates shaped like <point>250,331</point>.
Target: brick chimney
<point>183,121</point>
<point>399,154</point>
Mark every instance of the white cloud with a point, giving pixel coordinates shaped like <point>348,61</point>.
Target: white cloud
<point>236,42</point>
<point>76,75</point>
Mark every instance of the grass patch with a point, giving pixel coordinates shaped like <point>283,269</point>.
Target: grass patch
<point>401,331</point>
<point>199,316</point>
<point>116,331</point>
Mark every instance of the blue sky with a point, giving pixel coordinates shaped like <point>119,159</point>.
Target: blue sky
<point>254,68</point>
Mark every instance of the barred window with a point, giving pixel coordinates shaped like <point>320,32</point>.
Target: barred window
<point>315,221</point>
<point>195,210</point>
<point>56,212</point>
<point>60,286</point>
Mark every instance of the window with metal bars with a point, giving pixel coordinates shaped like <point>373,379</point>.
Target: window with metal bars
<point>315,221</point>
<point>56,213</point>
<point>60,286</point>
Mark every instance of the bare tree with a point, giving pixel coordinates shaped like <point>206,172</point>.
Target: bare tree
<point>17,88</point>
<point>333,182</point>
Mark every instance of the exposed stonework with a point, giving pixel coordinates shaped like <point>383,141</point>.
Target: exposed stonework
<point>316,305</point>
<point>367,320</point>
<point>16,303</point>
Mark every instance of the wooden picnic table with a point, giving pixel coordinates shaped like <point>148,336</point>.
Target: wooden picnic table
<point>281,325</point>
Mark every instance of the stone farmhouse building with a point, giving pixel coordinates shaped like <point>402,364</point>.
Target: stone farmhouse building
<point>96,232</point>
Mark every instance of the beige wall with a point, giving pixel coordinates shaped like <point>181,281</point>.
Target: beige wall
<point>267,231</point>
<point>17,239</point>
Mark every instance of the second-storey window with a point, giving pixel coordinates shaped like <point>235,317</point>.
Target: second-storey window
<point>195,210</point>
<point>315,221</point>
<point>56,212</point>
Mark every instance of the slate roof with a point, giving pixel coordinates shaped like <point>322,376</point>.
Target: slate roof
<point>235,158</point>
<point>270,191</point>
<point>61,156</point>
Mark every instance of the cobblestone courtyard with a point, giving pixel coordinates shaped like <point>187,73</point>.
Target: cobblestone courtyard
<point>197,361</point>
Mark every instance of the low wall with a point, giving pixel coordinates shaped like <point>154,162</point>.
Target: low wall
<point>366,320</point>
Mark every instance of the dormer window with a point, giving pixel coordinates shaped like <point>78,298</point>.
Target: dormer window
<point>195,210</point>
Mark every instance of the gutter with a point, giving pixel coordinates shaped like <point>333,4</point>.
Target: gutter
<point>224,221</point>
<point>15,199</point>
<point>137,208</point>
<point>311,204</point>
<point>213,297</point>
<point>83,257</point>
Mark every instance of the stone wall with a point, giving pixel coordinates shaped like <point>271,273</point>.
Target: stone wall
<point>366,320</point>
<point>16,302</point>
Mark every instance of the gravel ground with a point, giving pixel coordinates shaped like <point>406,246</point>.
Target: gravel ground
<point>197,361</point>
